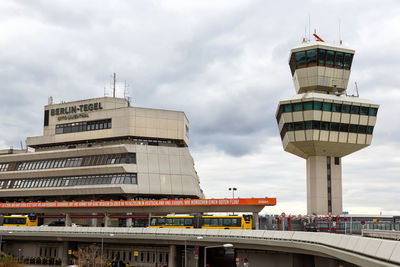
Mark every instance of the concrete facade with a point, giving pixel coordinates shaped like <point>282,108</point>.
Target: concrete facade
<point>322,123</point>
<point>99,149</point>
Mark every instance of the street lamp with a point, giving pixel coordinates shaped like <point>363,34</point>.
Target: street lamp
<point>197,238</point>
<point>233,189</point>
<point>101,259</point>
<point>220,246</point>
<point>102,246</point>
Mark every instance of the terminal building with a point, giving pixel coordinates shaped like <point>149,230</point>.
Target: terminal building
<point>102,149</point>
<point>321,123</point>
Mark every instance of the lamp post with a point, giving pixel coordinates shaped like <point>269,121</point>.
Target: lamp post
<point>233,189</point>
<point>220,246</point>
<point>197,238</point>
<point>101,259</point>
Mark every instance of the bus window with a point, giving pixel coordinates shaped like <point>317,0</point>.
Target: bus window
<point>188,222</point>
<point>15,220</point>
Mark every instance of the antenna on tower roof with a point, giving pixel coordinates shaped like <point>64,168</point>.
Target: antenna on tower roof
<point>114,85</point>
<point>356,89</point>
<point>340,34</point>
<point>309,27</point>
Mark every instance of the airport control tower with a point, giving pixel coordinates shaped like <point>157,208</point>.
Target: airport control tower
<point>321,123</point>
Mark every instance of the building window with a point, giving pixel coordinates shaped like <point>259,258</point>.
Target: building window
<point>126,158</point>
<point>83,126</point>
<point>337,161</point>
<point>46,118</point>
<point>125,178</point>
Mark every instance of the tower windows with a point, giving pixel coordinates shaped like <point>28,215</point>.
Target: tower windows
<point>336,107</point>
<point>326,126</point>
<point>327,106</point>
<point>299,126</point>
<point>355,110</point>
<point>373,111</point>
<point>364,111</point>
<point>345,108</point>
<point>320,57</point>
<point>317,105</point>
<point>300,58</point>
<point>311,57</point>
<point>335,126</point>
<point>307,105</point>
<point>297,107</point>
<point>330,58</point>
<point>287,108</point>
<point>339,59</point>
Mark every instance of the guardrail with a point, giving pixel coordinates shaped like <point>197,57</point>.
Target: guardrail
<point>385,234</point>
<point>362,251</point>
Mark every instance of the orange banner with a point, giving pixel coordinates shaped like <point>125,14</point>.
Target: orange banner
<point>146,203</point>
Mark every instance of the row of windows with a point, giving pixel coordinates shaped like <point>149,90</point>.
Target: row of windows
<point>143,256</point>
<point>172,221</point>
<point>126,178</point>
<point>235,222</point>
<point>3,167</point>
<point>320,57</point>
<point>326,126</point>
<point>83,126</point>
<point>48,252</point>
<point>327,106</point>
<point>126,158</point>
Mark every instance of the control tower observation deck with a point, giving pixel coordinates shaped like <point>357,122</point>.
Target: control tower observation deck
<point>102,149</point>
<point>321,123</point>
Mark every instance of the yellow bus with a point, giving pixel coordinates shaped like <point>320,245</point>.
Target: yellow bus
<point>20,220</point>
<point>227,222</point>
<point>205,222</point>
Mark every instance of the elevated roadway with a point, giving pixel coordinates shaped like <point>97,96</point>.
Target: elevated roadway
<point>361,251</point>
<point>384,234</point>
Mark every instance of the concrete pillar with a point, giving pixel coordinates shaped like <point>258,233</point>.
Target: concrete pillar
<point>129,220</point>
<point>68,220</point>
<point>318,175</point>
<point>94,221</point>
<point>106,220</point>
<point>256,223</point>
<point>64,258</point>
<point>148,223</point>
<point>172,256</point>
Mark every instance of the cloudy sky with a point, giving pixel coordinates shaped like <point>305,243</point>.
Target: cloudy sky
<point>222,62</point>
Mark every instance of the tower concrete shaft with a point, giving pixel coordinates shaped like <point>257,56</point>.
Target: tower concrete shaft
<point>324,185</point>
